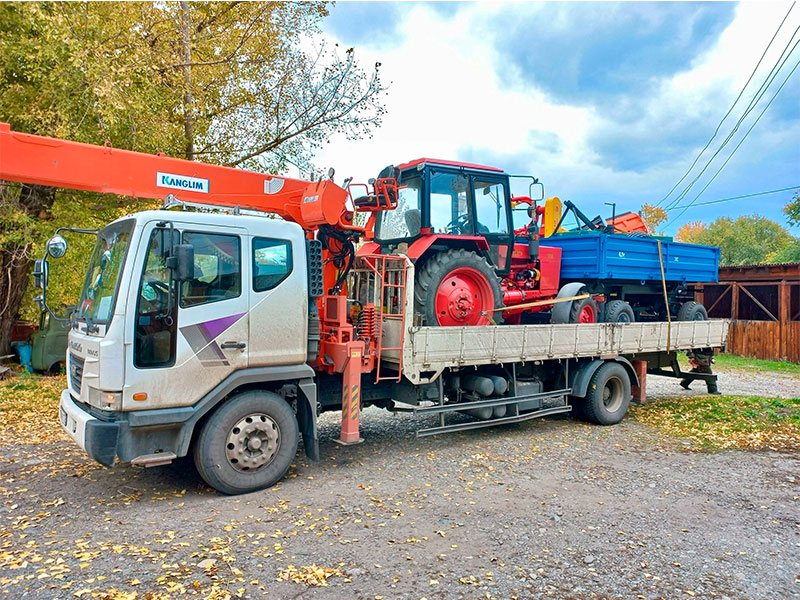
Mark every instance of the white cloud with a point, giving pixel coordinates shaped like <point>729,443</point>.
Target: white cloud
<point>446,96</point>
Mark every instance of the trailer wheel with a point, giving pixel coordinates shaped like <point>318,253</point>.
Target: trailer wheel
<point>692,311</point>
<point>248,443</point>
<point>454,287</point>
<point>619,311</point>
<point>608,395</point>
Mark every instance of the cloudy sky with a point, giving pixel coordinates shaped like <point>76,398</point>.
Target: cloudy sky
<point>602,102</point>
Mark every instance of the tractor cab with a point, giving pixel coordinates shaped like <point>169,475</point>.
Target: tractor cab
<point>445,204</point>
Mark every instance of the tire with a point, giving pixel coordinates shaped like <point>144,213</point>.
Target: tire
<point>692,311</point>
<point>608,395</point>
<point>619,311</point>
<point>583,311</point>
<point>453,287</point>
<point>223,451</point>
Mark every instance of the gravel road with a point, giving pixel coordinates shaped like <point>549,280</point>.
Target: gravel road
<point>549,508</point>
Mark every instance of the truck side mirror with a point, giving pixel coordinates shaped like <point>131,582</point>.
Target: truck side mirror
<point>57,246</point>
<point>40,274</point>
<point>184,262</point>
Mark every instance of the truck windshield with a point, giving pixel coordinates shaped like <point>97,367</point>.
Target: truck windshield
<point>102,278</point>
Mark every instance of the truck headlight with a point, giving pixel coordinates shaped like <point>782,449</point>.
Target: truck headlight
<point>105,400</point>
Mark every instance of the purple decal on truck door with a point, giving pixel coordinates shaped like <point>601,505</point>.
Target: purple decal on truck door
<point>201,339</point>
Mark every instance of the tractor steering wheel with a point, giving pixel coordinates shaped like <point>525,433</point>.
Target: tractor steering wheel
<point>458,225</point>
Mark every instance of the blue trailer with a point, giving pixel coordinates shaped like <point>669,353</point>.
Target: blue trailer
<point>625,269</point>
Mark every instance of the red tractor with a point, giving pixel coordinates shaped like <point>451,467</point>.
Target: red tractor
<point>478,259</point>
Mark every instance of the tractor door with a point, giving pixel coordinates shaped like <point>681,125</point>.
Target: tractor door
<point>492,217</point>
<point>469,203</point>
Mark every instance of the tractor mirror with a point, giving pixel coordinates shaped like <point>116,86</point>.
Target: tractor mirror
<point>184,262</point>
<point>56,246</point>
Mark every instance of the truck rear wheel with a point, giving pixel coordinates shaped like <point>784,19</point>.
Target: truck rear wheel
<point>455,287</point>
<point>608,395</point>
<point>619,311</point>
<point>692,311</point>
<point>248,443</point>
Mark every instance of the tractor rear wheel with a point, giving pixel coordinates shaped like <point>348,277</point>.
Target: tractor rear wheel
<point>456,288</point>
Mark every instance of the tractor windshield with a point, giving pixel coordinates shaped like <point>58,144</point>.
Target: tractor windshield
<point>102,279</point>
<point>405,220</point>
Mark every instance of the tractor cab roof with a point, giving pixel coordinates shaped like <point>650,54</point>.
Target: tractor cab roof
<point>447,163</point>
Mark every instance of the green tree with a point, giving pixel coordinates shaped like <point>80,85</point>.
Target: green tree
<point>224,82</point>
<point>789,254</point>
<point>792,209</point>
<point>746,240</point>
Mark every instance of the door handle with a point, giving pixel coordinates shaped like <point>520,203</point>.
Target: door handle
<point>238,345</point>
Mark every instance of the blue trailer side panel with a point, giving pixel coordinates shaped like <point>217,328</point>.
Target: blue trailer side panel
<point>593,255</point>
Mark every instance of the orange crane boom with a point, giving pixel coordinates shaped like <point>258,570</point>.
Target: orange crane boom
<point>54,162</point>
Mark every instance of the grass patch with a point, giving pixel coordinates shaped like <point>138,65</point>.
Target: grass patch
<point>720,422</point>
<point>740,363</point>
<point>729,361</point>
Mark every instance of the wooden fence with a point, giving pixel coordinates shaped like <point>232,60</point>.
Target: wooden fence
<point>768,340</point>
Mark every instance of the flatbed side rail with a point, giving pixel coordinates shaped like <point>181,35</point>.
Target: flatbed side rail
<point>427,351</point>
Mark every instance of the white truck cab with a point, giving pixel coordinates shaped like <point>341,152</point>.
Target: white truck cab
<point>168,347</point>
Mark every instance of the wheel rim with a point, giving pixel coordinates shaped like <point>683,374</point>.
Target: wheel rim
<point>586,315</point>
<point>252,443</point>
<point>462,296</point>
<point>612,395</point>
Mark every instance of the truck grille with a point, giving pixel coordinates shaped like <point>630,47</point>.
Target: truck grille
<point>75,373</point>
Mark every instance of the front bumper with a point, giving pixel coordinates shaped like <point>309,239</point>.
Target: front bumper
<point>98,438</point>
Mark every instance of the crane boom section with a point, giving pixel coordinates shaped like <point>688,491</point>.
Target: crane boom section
<point>54,162</point>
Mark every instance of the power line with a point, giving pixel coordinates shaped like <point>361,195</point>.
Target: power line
<point>775,95</point>
<point>762,90</point>
<point>744,87</point>
<point>786,189</point>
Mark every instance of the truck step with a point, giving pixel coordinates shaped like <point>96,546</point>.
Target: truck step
<point>154,460</point>
<point>545,412</point>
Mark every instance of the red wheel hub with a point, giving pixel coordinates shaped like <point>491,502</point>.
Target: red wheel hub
<point>587,314</point>
<point>461,298</point>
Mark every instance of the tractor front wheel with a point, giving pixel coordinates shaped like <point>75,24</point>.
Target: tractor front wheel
<point>456,288</point>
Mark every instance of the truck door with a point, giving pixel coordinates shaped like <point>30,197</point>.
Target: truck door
<point>188,337</point>
<point>278,295</point>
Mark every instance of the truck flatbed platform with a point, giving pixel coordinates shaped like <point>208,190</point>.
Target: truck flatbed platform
<point>427,351</point>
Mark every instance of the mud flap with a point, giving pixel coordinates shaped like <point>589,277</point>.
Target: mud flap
<point>307,417</point>
<point>101,441</point>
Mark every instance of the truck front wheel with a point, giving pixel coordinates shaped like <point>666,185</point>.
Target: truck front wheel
<point>608,396</point>
<point>248,443</point>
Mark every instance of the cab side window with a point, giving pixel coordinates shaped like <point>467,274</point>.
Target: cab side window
<point>449,209</point>
<point>217,269</point>
<point>272,263</point>
<point>490,207</point>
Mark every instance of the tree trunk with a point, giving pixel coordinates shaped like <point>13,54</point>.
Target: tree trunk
<point>188,99</point>
<point>16,260</point>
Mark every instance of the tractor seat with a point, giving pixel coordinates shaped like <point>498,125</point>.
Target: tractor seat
<point>371,200</point>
